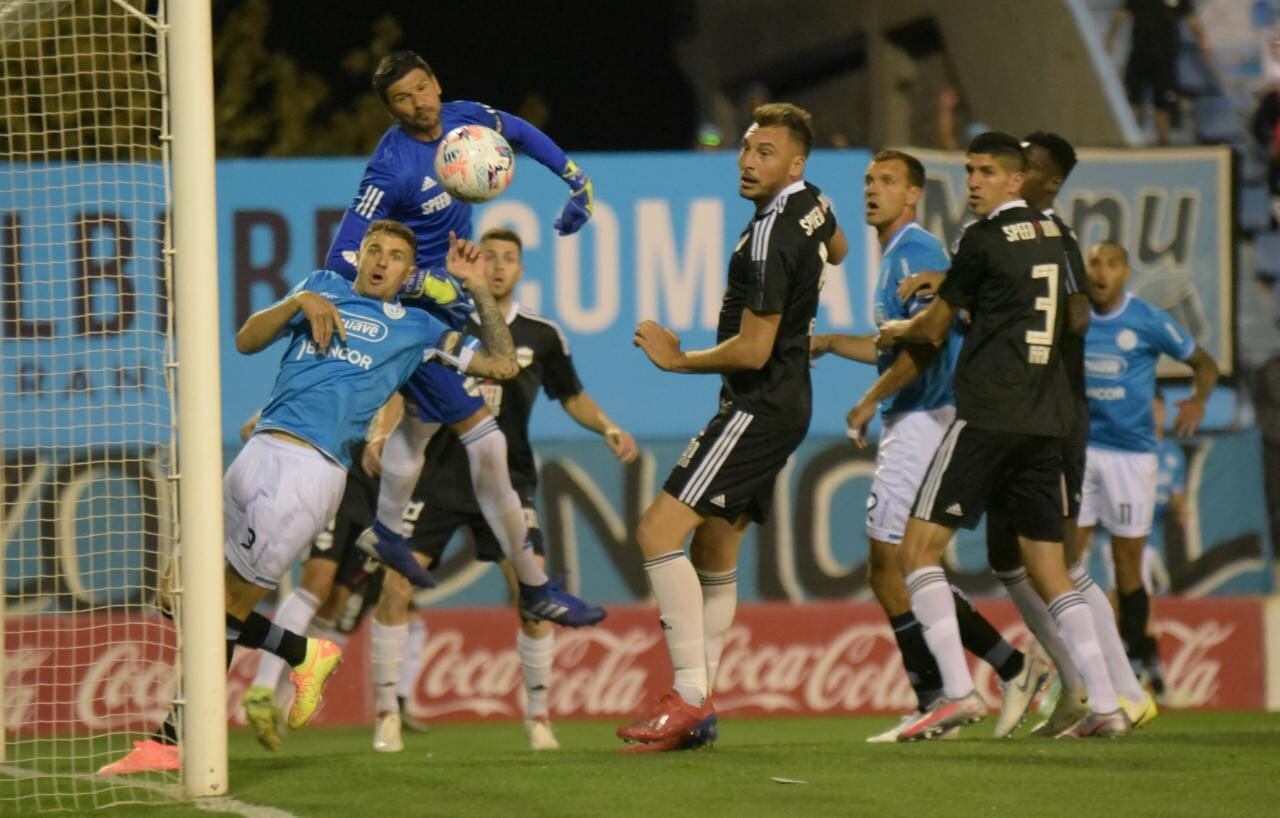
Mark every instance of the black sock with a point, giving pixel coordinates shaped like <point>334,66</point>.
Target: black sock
<point>1135,608</point>
<point>260,632</point>
<point>167,733</point>
<point>922,668</point>
<point>980,638</point>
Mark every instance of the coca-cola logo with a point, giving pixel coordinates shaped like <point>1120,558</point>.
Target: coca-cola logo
<point>122,687</point>
<point>20,687</point>
<point>595,674</point>
<point>1191,671</point>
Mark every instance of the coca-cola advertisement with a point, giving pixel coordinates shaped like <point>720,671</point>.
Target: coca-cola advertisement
<point>96,672</point>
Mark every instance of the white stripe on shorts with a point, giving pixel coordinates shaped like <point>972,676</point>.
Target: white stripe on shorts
<point>933,479</point>
<point>720,451</point>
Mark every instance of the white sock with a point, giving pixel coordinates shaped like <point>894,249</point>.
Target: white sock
<point>1108,634</point>
<point>403,456</point>
<point>499,503</point>
<point>719,602</point>
<point>293,614</point>
<point>327,629</point>
<point>388,654</point>
<point>536,656</point>
<point>935,610</point>
<point>1040,622</point>
<point>675,584</point>
<point>1075,623</point>
<point>412,667</point>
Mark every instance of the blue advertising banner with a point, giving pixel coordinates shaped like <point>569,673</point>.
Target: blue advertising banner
<point>84,347</point>
<point>84,314</point>
<point>1170,208</point>
<point>657,247</point>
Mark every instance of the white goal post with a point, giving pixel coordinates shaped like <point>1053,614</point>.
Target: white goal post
<point>111,584</point>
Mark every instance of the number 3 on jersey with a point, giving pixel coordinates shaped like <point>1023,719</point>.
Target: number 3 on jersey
<point>1040,342</point>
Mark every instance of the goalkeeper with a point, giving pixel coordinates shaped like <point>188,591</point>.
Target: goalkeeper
<point>399,183</point>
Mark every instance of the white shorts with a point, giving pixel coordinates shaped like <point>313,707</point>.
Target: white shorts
<point>1119,491</point>
<point>276,497</point>
<point>907,444</point>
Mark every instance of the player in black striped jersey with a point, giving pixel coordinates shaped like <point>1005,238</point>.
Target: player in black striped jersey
<point>1004,449</point>
<point>725,478</point>
<point>447,501</point>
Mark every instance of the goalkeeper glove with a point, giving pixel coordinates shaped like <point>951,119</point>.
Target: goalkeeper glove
<point>425,284</point>
<point>578,209</point>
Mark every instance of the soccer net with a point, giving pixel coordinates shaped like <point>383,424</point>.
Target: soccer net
<point>88,524</point>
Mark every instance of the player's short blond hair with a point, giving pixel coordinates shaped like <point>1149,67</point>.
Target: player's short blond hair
<point>392,228</point>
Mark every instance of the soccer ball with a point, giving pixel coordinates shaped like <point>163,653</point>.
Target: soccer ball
<point>474,163</point>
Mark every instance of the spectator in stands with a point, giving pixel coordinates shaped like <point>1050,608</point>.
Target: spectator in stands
<point>1155,38</point>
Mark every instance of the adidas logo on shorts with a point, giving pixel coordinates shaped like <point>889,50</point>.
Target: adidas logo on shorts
<point>717,501</point>
<point>955,509</point>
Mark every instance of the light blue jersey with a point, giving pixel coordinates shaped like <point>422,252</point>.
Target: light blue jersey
<point>327,397</point>
<point>1121,351</point>
<point>912,250</point>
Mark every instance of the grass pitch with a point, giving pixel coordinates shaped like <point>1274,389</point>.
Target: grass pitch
<point>1185,764</point>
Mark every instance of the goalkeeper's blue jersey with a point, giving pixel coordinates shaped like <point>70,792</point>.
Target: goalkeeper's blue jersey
<point>1121,352</point>
<point>328,396</point>
<point>400,183</point>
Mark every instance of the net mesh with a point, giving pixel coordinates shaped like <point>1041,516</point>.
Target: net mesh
<point>88,516</point>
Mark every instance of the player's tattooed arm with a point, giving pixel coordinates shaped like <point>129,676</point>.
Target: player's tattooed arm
<point>498,358</point>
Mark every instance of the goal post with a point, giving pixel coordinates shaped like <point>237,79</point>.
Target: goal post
<point>190,57</point>
<point>111,588</point>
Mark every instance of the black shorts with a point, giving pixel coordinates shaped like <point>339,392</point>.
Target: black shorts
<point>435,525</point>
<point>356,512</point>
<point>1157,73</point>
<point>1073,455</point>
<point>730,467</point>
<point>976,470</point>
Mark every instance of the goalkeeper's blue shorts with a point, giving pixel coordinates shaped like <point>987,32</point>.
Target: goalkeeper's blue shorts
<point>436,393</point>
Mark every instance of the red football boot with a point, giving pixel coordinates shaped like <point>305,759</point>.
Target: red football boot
<point>671,718</point>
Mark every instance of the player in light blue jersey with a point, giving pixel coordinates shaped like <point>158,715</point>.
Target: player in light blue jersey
<point>915,399</point>
<point>399,182</point>
<point>1126,338</point>
<point>351,346</point>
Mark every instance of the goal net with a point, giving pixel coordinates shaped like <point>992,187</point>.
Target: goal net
<point>88,520</point>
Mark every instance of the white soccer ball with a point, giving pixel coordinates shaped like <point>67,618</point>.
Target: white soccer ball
<point>474,163</point>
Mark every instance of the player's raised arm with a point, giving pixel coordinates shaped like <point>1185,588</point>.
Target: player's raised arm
<point>534,143</point>
<point>497,359</point>
<point>373,201</point>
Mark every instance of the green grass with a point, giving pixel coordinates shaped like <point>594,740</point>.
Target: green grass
<point>1190,764</point>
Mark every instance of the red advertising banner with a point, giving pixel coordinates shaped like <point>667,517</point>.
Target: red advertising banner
<point>87,672</point>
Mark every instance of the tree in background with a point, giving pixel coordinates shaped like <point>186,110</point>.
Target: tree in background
<point>266,105</point>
